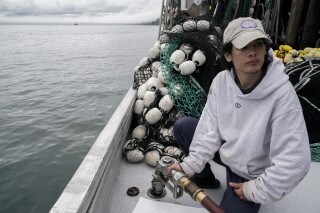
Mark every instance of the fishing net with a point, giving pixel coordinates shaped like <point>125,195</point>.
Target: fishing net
<point>315,152</point>
<point>219,13</point>
<point>141,75</point>
<point>233,10</point>
<point>305,77</point>
<point>242,9</point>
<point>158,139</point>
<point>161,131</point>
<point>188,96</point>
<point>189,93</point>
<point>210,43</point>
<point>229,11</point>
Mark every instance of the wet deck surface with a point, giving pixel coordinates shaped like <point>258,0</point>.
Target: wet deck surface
<point>304,198</point>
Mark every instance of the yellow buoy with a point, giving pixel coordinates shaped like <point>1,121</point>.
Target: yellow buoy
<point>317,54</point>
<point>287,48</point>
<point>287,58</point>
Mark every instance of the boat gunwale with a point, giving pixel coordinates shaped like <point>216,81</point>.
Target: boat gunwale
<point>83,189</point>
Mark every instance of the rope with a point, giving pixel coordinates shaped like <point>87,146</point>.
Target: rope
<point>309,102</point>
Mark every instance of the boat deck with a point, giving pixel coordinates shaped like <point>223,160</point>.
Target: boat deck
<point>304,198</point>
<point>101,182</point>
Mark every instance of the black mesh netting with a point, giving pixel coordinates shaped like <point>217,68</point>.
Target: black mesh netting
<point>305,77</point>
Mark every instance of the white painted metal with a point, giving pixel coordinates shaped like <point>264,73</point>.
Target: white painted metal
<point>304,198</point>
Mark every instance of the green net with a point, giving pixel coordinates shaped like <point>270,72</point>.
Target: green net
<point>229,11</point>
<point>315,152</point>
<point>246,8</point>
<point>188,96</point>
<point>236,9</point>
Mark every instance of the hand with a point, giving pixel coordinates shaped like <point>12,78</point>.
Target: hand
<point>174,166</point>
<point>238,189</point>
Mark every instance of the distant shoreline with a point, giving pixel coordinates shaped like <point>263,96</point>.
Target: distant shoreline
<point>156,22</point>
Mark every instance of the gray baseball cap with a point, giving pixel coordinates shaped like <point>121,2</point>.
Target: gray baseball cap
<point>242,31</point>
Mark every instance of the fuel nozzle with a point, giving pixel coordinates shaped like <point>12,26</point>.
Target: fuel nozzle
<point>161,179</point>
<point>176,182</point>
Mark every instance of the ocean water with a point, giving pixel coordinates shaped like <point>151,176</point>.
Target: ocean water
<point>59,85</point>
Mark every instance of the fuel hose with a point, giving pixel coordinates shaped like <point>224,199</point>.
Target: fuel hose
<point>199,195</point>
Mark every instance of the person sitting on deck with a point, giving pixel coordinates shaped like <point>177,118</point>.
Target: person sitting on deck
<point>252,124</point>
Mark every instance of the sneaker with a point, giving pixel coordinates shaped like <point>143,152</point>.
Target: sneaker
<point>205,182</point>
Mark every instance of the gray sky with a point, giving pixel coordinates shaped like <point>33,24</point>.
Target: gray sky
<point>89,11</point>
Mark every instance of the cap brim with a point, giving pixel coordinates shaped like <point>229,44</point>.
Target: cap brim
<point>245,38</point>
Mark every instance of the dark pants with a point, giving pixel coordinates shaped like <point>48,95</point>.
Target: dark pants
<point>184,130</point>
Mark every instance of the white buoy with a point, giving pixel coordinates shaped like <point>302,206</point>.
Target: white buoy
<point>160,75</point>
<point>166,103</point>
<point>142,90</point>
<point>189,25</point>
<point>138,107</point>
<point>198,58</point>
<point>135,156</point>
<point>177,29</point>
<point>153,53</point>
<point>161,84</point>
<point>253,3</point>
<point>156,144</point>
<point>174,160</point>
<point>164,38</point>
<point>153,84</point>
<point>172,150</point>
<point>251,11</point>
<point>143,62</point>
<point>187,48</point>
<point>132,153</point>
<point>153,116</point>
<point>203,25</point>
<point>167,135</point>
<point>157,44</point>
<point>177,57</point>
<point>163,46</point>
<point>127,145</point>
<point>152,157</point>
<point>154,74</point>
<point>148,98</point>
<point>155,66</point>
<point>164,91</point>
<point>164,133</point>
<point>144,112</point>
<point>187,67</point>
<point>139,132</point>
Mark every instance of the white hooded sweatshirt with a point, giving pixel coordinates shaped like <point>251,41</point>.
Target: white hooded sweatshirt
<point>261,136</point>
